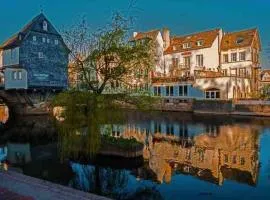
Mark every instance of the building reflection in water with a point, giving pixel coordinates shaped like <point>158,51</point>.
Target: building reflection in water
<point>3,114</point>
<point>211,153</point>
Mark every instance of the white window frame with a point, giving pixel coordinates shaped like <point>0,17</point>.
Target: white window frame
<point>226,58</point>
<point>187,64</point>
<point>186,45</point>
<point>157,91</point>
<point>242,56</point>
<point>45,26</point>
<point>232,57</point>
<point>199,60</point>
<point>48,40</point>
<point>183,93</point>
<point>19,75</point>
<point>40,55</point>
<point>14,75</point>
<point>34,38</point>
<point>170,93</point>
<point>44,40</point>
<point>56,41</point>
<point>212,94</point>
<point>199,43</point>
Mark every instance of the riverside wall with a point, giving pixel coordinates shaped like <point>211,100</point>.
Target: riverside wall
<point>224,107</point>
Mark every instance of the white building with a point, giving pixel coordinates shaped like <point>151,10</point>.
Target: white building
<point>210,64</point>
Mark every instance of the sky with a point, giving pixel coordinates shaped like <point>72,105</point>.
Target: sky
<point>180,16</point>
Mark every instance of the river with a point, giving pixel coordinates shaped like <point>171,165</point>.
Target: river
<point>185,157</point>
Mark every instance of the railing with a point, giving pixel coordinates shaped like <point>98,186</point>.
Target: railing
<point>170,79</point>
<point>212,74</point>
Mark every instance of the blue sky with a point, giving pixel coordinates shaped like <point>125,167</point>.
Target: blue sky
<point>181,16</point>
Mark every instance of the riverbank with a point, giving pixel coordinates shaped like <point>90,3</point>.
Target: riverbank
<point>215,107</point>
<point>36,189</point>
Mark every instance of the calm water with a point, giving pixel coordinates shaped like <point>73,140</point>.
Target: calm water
<point>185,157</point>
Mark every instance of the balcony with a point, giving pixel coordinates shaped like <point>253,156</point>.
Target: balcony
<point>213,74</point>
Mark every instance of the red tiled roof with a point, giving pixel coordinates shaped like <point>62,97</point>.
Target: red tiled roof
<point>238,39</point>
<point>207,38</point>
<point>150,34</point>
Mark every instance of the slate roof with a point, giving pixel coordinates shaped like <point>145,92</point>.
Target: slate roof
<point>17,39</point>
<point>207,38</point>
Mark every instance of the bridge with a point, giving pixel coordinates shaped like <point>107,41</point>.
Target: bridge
<point>27,102</point>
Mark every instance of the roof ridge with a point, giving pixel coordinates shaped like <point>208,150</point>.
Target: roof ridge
<point>242,30</point>
<point>195,33</point>
<point>153,30</point>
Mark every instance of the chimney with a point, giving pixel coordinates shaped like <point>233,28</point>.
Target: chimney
<point>135,34</point>
<point>166,37</point>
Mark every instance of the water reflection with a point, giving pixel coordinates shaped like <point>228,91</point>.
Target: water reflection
<point>4,114</point>
<point>213,154</point>
<point>183,155</point>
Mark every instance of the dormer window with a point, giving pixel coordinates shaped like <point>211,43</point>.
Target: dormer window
<point>239,40</point>
<point>186,45</point>
<point>199,43</point>
<point>45,26</point>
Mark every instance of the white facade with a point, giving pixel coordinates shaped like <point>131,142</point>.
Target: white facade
<point>228,64</point>
<point>231,58</point>
<point>210,57</point>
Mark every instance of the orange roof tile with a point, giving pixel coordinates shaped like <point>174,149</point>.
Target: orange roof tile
<point>207,38</point>
<point>149,34</point>
<point>238,39</point>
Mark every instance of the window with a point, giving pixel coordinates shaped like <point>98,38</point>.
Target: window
<point>242,71</point>
<point>20,75</point>
<point>239,40</point>
<point>186,45</point>
<point>175,61</point>
<point>157,91</point>
<point>183,90</point>
<point>199,60</point>
<point>242,161</point>
<point>233,57</point>
<point>157,128</point>
<point>187,61</point>
<point>225,58</point>
<point>234,160</point>
<point>48,40</point>
<point>40,55</point>
<point>56,42</point>
<point>242,56</point>
<point>199,43</point>
<point>43,39</point>
<point>226,158</point>
<point>45,26</point>
<point>14,75</point>
<point>34,38</point>
<point>212,94</point>
<point>169,90</point>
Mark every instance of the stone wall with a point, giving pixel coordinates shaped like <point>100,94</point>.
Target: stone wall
<point>213,106</point>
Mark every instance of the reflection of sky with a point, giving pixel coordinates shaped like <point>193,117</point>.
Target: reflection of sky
<point>190,187</point>
<point>3,153</point>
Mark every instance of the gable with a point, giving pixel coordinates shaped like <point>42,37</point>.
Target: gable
<point>207,38</point>
<point>35,25</point>
<point>238,39</point>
